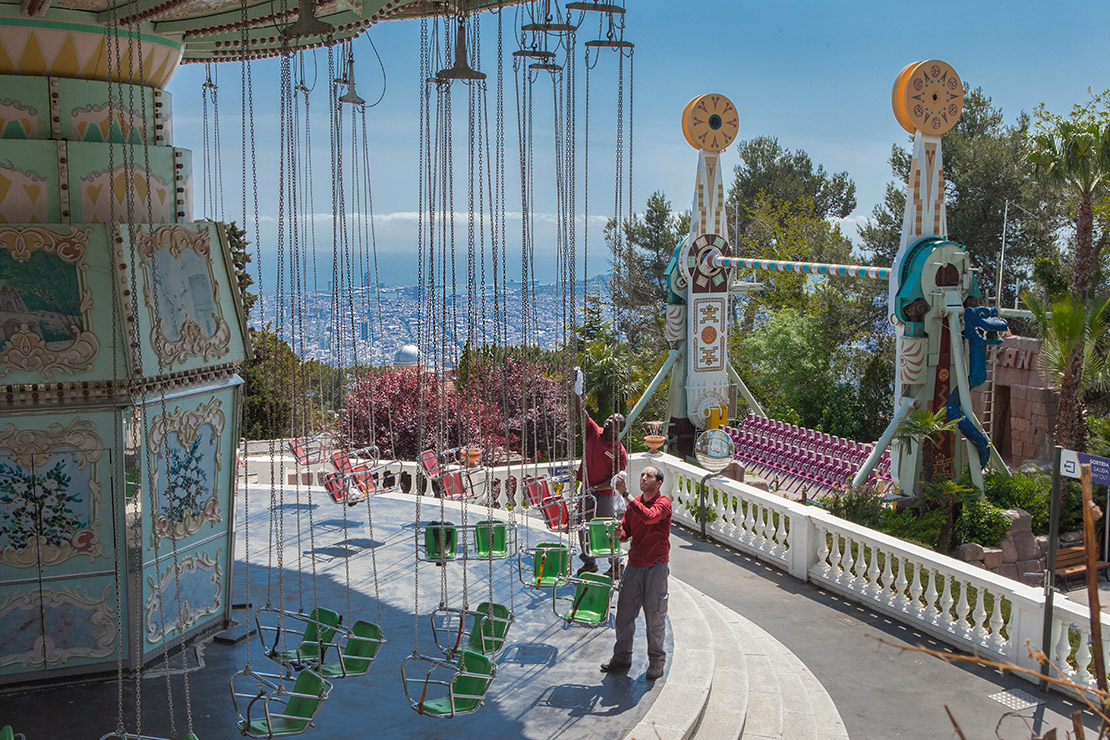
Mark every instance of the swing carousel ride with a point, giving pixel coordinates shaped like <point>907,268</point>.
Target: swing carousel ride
<point>123,327</point>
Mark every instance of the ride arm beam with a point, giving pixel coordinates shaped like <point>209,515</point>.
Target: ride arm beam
<point>872,460</point>
<point>747,394</point>
<point>672,357</point>
<point>805,268</point>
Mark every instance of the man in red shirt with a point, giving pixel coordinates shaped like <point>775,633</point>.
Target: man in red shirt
<point>603,456</point>
<point>647,522</point>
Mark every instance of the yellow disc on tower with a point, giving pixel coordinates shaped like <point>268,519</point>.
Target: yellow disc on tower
<point>686,122</point>
<point>933,97</point>
<point>710,122</point>
<point>897,97</point>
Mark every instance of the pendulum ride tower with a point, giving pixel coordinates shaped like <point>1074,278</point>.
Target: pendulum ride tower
<point>121,326</point>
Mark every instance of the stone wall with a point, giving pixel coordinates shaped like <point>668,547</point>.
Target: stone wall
<point>1024,404</point>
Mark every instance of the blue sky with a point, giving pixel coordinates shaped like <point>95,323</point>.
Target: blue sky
<point>815,74</point>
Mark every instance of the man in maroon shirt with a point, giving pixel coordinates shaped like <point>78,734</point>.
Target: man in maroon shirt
<point>647,522</point>
<point>603,456</point>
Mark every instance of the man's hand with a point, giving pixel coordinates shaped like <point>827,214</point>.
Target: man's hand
<point>619,483</point>
<point>578,381</point>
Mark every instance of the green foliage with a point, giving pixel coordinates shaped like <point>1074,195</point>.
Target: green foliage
<point>862,505</point>
<point>1032,493</point>
<point>1049,277</point>
<point>270,410</point>
<point>766,168</point>
<point>240,257</point>
<point>982,522</point>
<point>876,398</point>
<point>1098,443</point>
<point>920,528</point>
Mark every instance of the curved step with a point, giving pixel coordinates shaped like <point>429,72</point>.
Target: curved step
<point>782,699</point>
<point>677,708</point>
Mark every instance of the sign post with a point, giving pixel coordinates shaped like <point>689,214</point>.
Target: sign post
<point>1065,463</point>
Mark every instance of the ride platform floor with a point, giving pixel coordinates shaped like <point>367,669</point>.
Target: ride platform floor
<point>548,682</point>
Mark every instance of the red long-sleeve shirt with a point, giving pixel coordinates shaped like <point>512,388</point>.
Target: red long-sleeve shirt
<point>601,460</point>
<point>649,528</point>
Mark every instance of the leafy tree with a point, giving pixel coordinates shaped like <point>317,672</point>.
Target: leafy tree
<point>767,168</point>
<point>240,258</point>
<point>269,410</point>
<point>1073,154</point>
<point>641,290</point>
<point>919,427</point>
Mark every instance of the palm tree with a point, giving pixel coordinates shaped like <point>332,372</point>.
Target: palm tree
<point>1075,156</point>
<point>1074,335</point>
<point>923,426</point>
<point>607,374</point>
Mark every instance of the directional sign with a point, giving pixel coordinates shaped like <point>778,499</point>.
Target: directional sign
<point>1070,460</point>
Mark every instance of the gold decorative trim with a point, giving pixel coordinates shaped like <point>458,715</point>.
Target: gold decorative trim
<point>26,350</point>
<point>24,445</point>
<point>191,341</point>
<point>167,591</point>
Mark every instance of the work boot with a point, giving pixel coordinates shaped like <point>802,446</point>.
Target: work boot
<point>587,568</point>
<point>615,666</point>
<point>654,672</point>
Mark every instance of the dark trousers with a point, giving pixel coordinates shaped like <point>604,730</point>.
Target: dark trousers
<point>642,589</point>
<point>601,505</point>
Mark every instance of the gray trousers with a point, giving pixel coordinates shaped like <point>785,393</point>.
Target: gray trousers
<point>600,506</point>
<point>642,588</point>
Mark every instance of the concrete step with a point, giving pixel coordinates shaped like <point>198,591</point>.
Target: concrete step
<point>761,690</point>
<point>724,713</point>
<point>676,711</point>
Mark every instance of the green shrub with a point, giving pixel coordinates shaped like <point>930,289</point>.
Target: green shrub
<point>982,522</point>
<point>1098,428</point>
<point>908,524</point>
<point>1032,492</point>
<point>863,505</point>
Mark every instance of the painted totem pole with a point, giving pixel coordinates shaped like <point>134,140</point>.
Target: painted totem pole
<point>934,298</point>
<point>697,306</point>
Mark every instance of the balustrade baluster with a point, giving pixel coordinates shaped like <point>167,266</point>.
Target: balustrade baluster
<point>916,607</point>
<point>846,574</point>
<point>859,583</point>
<point>888,592</point>
<point>1083,675</point>
<point>719,505</point>
<point>781,533</point>
<point>979,616</point>
<point>749,522</point>
<point>900,595</point>
<point>823,550</point>
<point>931,597</point>
<point>834,558</point>
<point>873,586</point>
<point>963,608</point>
<point>765,528</point>
<point>1061,649</point>
<point>997,622</point>
<point>946,602</point>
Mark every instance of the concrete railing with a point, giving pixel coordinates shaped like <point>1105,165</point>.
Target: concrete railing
<point>967,607</point>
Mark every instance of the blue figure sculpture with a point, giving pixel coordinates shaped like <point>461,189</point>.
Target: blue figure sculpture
<point>982,327</point>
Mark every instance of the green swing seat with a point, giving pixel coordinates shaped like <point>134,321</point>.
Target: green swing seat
<point>604,537</point>
<point>441,541</point>
<point>550,564</point>
<point>590,603</point>
<point>357,652</point>
<point>319,633</point>
<point>491,626</point>
<point>491,539</point>
<point>294,716</point>
<point>7,733</point>
<point>466,691</point>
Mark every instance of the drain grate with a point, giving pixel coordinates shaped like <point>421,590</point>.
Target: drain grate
<point>1016,699</point>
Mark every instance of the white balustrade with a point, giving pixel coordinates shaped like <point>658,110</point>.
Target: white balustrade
<point>967,607</point>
